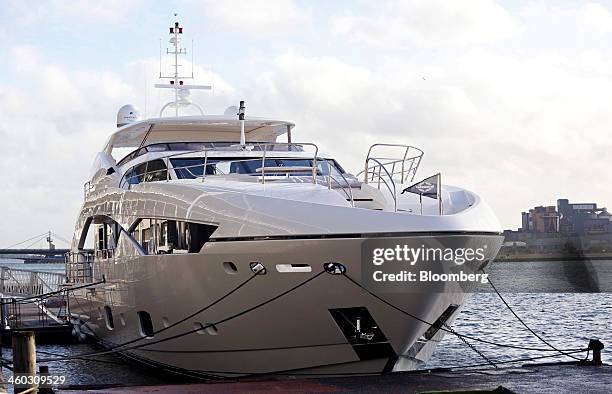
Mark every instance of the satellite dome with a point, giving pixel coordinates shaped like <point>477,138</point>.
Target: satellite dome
<point>127,114</point>
<point>231,111</point>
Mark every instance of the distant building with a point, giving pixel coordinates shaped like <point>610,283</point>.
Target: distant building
<point>541,220</point>
<point>583,218</point>
<point>566,228</point>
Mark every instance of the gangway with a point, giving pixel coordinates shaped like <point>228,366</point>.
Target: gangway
<point>34,301</point>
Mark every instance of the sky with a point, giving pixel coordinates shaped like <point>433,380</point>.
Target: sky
<point>509,99</point>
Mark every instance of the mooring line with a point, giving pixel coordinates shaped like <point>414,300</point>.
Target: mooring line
<point>481,354</point>
<point>525,324</point>
<point>516,360</point>
<point>242,284</point>
<point>449,331</point>
<point>210,373</point>
<point>231,317</point>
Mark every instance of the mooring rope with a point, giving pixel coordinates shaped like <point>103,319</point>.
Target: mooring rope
<point>116,349</point>
<point>525,324</point>
<point>462,339</point>
<point>226,295</point>
<point>122,347</point>
<point>453,331</point>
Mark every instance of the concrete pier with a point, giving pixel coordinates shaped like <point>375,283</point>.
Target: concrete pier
<point>557,378</point>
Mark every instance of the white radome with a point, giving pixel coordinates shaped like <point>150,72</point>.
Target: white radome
<point>127,114</point>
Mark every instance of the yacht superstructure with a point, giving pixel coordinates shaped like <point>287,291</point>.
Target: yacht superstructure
<point>221,248</point>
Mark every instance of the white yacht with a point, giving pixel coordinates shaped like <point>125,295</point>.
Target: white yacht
<point>229,215</point>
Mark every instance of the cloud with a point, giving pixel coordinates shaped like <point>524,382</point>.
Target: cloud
<point>426,23</point>
<point>54,121</point>
<point>596,17</point>
<point>259,17</point>
<point>108,12</point>
<point>500,125</point>
<point>510,104</point>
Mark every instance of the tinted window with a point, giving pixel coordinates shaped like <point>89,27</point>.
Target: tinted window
<point>161,236</point>
<point>157,148</point>
<point>156,171</point>
<point>139,172</point>
<point>135,174</point>
<point>151,171</point>
<point>250,166</point>
<point>190,168</point>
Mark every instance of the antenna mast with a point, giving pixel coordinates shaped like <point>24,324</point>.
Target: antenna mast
<point>181,90</point>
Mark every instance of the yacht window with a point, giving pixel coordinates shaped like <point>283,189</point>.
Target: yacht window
<point>108,314</point>
<point>252,166</point>
<point>105,240</point>
<point>152,171</point>
<point>156,171</point>
<point>161,236</point>
<point>136,174</point>
<point>189,168</point>
<point>157,148</point>
<point>146,324</point>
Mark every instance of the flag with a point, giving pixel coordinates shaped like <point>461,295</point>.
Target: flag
<point>428,187</point>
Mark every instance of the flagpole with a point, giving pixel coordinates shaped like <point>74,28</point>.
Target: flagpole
<point>439,193</point>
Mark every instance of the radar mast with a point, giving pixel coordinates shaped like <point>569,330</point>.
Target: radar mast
<point>176,83</point>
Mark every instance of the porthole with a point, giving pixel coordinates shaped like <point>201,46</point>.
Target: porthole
<point>108,317</point>
<point>211,329</point>
<point>230,268</point>
<point>199,327</point>
<point>146,324</point>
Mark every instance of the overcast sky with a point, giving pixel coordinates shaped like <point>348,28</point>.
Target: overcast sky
<point>508,99</point>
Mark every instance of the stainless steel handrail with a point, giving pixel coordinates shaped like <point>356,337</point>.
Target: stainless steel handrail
<point>289,144</point>
<point>262,148</point>
<point>28,282</point>
<point>406,174</point>
<point>329,185</point>
<point>80,267</point>
<point>381,178</point>
<point>87,189</point>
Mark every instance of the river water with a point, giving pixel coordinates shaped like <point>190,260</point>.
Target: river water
<point>567,320</point>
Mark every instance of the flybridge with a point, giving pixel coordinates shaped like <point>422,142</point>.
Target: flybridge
<point>211,128</point>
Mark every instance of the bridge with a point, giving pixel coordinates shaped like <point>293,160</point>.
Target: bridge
<point>31,254</point>
<point>38,252</point>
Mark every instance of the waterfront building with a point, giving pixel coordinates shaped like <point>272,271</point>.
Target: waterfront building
<point>566,227</point>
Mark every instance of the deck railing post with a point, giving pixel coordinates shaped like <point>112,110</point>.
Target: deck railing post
<point>2,276</point>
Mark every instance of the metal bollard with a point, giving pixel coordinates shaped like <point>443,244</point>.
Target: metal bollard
<point>596,347</point>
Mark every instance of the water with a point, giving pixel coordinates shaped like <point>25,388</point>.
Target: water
<point>567,320</point>
<point>567,303</point>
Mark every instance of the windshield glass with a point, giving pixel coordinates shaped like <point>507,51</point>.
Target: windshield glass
<point>189,168</point>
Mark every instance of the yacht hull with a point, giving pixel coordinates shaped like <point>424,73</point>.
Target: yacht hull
<point>296,333</point>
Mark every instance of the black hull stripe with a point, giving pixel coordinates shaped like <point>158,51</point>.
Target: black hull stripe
<point>355,235</point>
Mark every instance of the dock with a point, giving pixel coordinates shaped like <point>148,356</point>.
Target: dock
<point>545,378</point>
